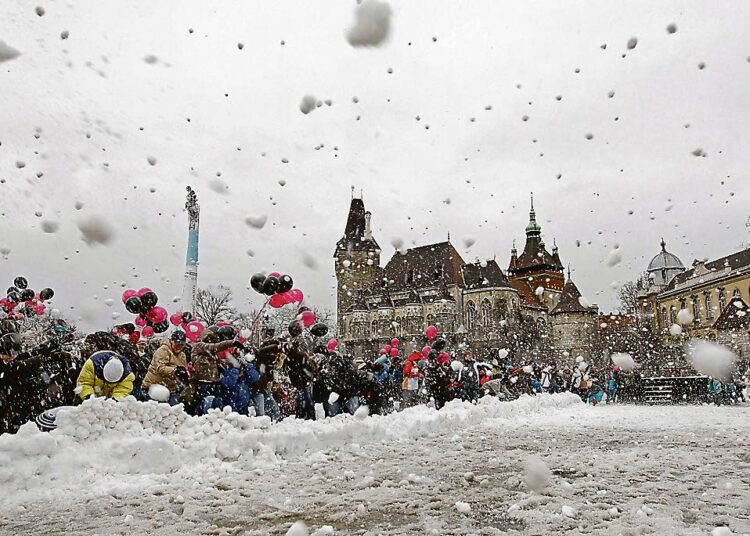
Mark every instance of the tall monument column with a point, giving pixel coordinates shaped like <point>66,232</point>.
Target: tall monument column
<point>191,262</point>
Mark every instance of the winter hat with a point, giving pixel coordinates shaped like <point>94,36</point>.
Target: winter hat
<point>178,337</point>
<point>113,370</point>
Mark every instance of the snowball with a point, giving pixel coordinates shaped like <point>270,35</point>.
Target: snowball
<point>7,52</point>
<point>362,412</point>
<point>298,528</point>
<point>632,42</point>
<point>536,474</point>
<point>372,21</point>
<point>96,230</point>
<point>307,104</point>
<point>463,507</point>
<point>684,317</point>
<point>615,257</point>
<point>721,531</point>
<point>579,359</point>
<point>218,186</point>
<point>332,398</point>
<point>158,392</point>
<point>503,353</point>
<point>624,361</point>
<point>539,291</point>
<point>457,366</point>
<point>710,358</point>
<point>528,369</point>
<point>257,222</point>
<point>151,160</point>
<point>675,330</point>
<point>49,226</point>
<point>569,511</point>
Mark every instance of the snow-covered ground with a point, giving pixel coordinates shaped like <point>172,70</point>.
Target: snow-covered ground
<point>538,465</point>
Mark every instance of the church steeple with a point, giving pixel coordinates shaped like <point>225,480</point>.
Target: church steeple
<point>533,228</point>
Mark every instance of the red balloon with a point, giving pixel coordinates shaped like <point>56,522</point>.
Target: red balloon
<point>143,291</point>
<point>276,301</point>
<point>274,274</point>
<point>382,351</point>
<point>147,332</point>
<point>222,323</point>
<point>193,330</point>
<point>394,352</point>
<point>430,332</point>
<point>332,344</point>
<point>297,294</point>
<point>387,347</point>
<point>443,358</point>
<point>176,319</point>
<point>308,318</point>
<point>426,350</point>
<point>128,294</point>
<point>140,321</point>
<point>39,309</point>
<point>157,315</point>
<point>135,337</point>
<point>395,342</point>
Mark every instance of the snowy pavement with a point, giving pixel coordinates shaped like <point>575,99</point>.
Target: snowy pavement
<point>463,470</point>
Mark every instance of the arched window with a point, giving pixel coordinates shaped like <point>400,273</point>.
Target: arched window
<point>673,314</point>
<point>471,315</point>
<point>664,317</point>
<point>709,306</point>
<point>486,313</point>
<point>722,300</point>
<point>736,294</point>
<point>374,327</point>
<point>696,311</point>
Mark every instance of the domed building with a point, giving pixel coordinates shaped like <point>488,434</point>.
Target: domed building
<point>664,266</point>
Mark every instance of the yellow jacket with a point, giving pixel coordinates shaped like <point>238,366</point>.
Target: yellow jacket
<point>91,379</point>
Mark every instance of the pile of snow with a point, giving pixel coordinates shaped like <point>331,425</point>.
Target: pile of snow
<point>624,361</point>
<point>711,359</point>
<point>103,446</point>
<point>536,474</point>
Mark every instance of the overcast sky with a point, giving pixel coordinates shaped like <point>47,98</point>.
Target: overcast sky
<point>470,71</point>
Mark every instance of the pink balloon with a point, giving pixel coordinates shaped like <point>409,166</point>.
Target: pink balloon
<point>276,301</point>
<point>394,352</point>
<point>387,347</point>
<point>39,309</point>
<point>143,291</point>
<point>395,342</point>
<point>147,332</point>
<point>274,274</point>
<point>135,337</point>
<point>157,315</point>
<point>443,358</point>
<point>426,350</point>
<point>298,295</point>
<point>176,319</point>
<point>308,318</point>
<point>332,344</point>
<point>194,330</point>
<point>430,332</point>
<point>288,296</point>
<point>140,321</point>
<point>128,294</point>
<point>223,323</point>
<point>382,351</point>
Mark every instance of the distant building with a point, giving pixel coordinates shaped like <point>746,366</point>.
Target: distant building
<point>532,310</point>
<point>714,293</point>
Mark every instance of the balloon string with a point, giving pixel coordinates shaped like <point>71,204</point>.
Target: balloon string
<point>255,320</point>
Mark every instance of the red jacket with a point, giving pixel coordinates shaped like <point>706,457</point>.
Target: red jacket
<point>411,370</point>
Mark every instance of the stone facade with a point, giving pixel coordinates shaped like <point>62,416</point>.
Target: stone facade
<point>474,305</point>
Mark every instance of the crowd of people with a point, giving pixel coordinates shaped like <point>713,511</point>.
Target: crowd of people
<point>58,367</point>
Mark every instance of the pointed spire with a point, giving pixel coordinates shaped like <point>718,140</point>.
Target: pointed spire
<point>449,236</point>
<point>533,228</point>
<point>568,271</point>
<point>554,245</point>
<point>513,249</point>
<point>352,191</point>
<point>663,245</point>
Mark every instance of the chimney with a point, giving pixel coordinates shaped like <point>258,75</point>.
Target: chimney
<point>368,229</point>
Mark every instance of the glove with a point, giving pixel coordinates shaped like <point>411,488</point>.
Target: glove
<point>181,374</point>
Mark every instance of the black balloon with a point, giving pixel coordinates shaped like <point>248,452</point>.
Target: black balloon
<point>15,297</point>
<point>11,289</point>
<point>302,309</point>
<point>161,327</point>
<point>20,282</point>
<point>27,294</point>
<point>286,283</point>
<point>257,280</point>
<point>295,329</point>
<point>134,305</point>
<point>46,294</point>
<point>439,344</point>
<point>270,286</point>
<point>187,316</point>
<point>149,299</point>
<point>319,329</point>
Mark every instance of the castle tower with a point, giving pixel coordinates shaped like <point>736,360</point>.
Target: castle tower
<point>357,259</point>
<point>190,286</point>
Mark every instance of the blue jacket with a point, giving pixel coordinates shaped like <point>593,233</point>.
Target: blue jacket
<point>236,384</point>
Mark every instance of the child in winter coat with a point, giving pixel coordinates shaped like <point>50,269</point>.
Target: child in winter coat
<point>236,381</point>
<point>105,374</point>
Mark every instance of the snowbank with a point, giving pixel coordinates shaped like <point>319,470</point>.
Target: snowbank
<point>104,446</point>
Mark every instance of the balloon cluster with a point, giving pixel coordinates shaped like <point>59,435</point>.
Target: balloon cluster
<point>149,317</point>
<point>279,287</point>
<point>390,349</point>
<point>306,319</point>
<point>127,330</point>
<point>189,325</point>
<point>23,301</point>
<point>436,345</point>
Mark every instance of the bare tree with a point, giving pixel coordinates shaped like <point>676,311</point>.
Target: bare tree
<point>275,322</point>
<point>628,294</point>
<point>214,304</point>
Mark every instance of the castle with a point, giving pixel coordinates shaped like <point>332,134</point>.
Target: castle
<point>532,310</point>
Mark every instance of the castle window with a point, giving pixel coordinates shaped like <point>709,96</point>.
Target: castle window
<point>664,317</point>
<point>486,313</point>
<point>736,294</point>
<point>696,311</point>
<point>709,307</point>
<point>722,299</point>
<point>471,315</point>
<point>673,314</point>
<point>437,275</point>
<point>409,276</point>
